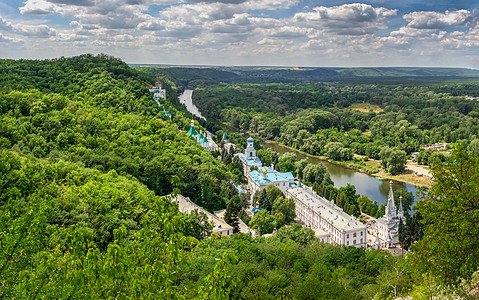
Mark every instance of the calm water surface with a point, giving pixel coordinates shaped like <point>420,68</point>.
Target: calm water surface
<point>367,185</point>
<point>185,99</point>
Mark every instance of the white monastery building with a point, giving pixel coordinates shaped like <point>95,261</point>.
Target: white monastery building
<point>318,213</point>
<point>264,176</point>
<point>158,91</point>
<point>185,205</point>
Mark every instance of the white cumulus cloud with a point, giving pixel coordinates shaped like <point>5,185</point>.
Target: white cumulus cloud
<point>347,19</point>
<point>436,20</point>
<point>37,7</point>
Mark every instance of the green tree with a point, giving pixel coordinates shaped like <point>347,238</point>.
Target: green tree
<point>220,283</point>
<point>407,198</point>
<point>263,222</point>
<point>393,160</point>
<point>286,207</point>
<point>349,192</point>
<point>273,193</point>
<point>285,165</point>
<point>449,247</point>
<point>333,150</point>
<point>299,167</point>
<point>196,224</point>
<point>232,213</point>
<point>316,173</point>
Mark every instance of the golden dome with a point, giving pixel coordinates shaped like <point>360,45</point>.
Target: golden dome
<point>257,203</point>
<point>264,171</point>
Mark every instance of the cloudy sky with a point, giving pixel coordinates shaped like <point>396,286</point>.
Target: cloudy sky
<point>247,32</point>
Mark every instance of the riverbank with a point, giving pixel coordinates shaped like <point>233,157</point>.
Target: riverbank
<point>406,177</point>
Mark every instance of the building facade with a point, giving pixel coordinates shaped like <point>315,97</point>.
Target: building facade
<point>249,158</point>
<point>264,176</point>
<point>387,226</point>
<point>318,213</point>
<point>435,146</point>
<point>157,91</point>
<point>204,141</point>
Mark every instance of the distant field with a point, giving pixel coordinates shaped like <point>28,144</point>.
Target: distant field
<point>366,107</point>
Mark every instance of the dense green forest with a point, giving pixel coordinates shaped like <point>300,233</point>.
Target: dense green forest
<point>322,118</point>
<point>85,154</point>
<point>205,75</point>
<point>90,164</point>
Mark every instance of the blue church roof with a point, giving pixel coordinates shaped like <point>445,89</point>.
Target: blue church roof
<point>271,177</point>
<point>249,162</point>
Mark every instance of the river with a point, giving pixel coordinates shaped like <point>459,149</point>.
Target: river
<point>186,100</point>
<point>376,189</point>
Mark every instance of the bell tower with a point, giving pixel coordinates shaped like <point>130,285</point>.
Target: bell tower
<point>250,153</point>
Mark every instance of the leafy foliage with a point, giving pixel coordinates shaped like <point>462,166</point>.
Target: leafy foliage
<point>320,119</point>
<point>83,160</point>
<point>292,264</point>
<point>392,160</point>
<point>449,248</point>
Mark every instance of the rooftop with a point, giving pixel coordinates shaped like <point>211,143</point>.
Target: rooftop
<point>327,210</point>
<point>320,233</point>
<point>185,205</point>
<point>250,162</point>
<point>271,176</point>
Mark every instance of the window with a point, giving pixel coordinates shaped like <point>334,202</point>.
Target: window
<point>347,243</point>
<point>361,233</point>
<point>347,235</point>
<point>361,241</point>
<point>251,154</point>
<point>354,234</point>
<point>354,242</point>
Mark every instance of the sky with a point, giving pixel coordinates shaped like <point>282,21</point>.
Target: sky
<point>329,33</point>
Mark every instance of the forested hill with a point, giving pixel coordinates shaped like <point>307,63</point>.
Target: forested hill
<point>80,109</point>
<point>195,76</point>
<point>85,154</point>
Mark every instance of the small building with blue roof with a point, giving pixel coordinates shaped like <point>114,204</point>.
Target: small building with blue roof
<point>264,176</point>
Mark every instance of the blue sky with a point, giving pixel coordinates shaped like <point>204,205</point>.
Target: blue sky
<point>442,33</point>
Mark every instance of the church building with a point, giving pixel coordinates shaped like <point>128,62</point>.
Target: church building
<point>329,222</point>
<point>264,176</point>
<point>261,177</point>
<point>202,140</point>
<point>387,226</point>
<point>248,158</point>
